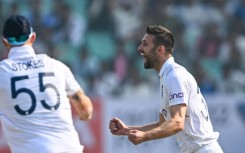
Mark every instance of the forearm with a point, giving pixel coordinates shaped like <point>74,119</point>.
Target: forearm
<point>166,129</point>
<point>82,105</point>
<point>144,127</point>
<point>86,110</point>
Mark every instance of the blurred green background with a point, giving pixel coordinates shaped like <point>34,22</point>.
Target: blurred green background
<point>98,40</point>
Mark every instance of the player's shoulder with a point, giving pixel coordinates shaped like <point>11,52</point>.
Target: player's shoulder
<point>174,69</point>
<point>4,64</point>
<point>175,73</point>
<point>52,61</point>
<point>1,65</point>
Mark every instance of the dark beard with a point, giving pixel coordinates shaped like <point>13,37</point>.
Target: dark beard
<point>148,65</point>
<point>150,60</point>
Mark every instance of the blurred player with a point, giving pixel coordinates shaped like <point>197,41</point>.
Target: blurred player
<point>35,96</point>
<point>183,110</point>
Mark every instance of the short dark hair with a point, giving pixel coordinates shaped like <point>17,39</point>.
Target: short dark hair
<point>16,29</point>
<point>163,36</point>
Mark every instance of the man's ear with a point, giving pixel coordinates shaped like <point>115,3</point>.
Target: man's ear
<point>33,37</point>
<point>5,42</point>
<point>161,49</point>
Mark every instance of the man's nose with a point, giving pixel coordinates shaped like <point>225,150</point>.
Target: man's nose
<point>139,49</point>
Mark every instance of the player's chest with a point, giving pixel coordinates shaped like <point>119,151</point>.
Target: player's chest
<point>164,100</point>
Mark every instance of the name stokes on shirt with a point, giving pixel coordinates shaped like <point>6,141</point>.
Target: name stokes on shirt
<point>27,65</point>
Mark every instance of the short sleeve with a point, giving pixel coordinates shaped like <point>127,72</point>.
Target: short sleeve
<point>72,85</point>
<point>177,90</point>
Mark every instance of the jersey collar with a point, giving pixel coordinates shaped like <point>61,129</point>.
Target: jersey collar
<point>165,65</point>
<point>21,51</point>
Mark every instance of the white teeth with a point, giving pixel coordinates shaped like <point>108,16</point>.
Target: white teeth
<point>142,54</point>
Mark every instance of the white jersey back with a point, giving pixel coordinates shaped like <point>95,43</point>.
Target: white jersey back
<point>178,86</point>
<point>35,111</point>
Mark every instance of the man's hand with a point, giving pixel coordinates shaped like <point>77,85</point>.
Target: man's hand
<point>136,136</point>
<point>117,127</point>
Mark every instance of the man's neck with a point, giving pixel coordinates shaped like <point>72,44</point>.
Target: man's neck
<point>162,61</point>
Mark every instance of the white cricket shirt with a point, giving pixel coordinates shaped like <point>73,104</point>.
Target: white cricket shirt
<point>178,86</point>
<point>35,111</point>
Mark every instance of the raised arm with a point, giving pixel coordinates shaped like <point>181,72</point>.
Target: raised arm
<point>82,105</point>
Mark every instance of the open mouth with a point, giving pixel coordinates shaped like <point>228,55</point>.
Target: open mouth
<point>142,54</point>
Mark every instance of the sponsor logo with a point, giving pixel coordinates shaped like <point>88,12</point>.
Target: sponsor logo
<point>176,95</point>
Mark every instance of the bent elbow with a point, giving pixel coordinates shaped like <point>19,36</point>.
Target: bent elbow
<point>86,116</point>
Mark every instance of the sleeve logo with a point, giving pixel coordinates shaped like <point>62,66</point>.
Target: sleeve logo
<point>176,95</point>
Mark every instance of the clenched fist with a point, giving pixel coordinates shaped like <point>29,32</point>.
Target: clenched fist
<point>117,127</point>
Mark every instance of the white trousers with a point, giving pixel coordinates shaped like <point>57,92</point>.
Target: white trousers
<point>210,148</point>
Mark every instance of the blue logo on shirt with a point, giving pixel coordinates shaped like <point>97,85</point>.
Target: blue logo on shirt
<point>176,95</point>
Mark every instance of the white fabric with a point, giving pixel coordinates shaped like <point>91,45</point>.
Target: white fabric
<point>40,130</point>
<point>210,148</point>
<point>178,86</point>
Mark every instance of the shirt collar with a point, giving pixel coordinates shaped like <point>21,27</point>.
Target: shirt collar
<point>166,64</point>
<point>21,51</point>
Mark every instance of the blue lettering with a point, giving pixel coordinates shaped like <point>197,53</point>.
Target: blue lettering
<point>41,63</point>
<point>25,66</point>
<point>28,65</point>
<point>176,95</point>
<point>19,65</point>
<point>14,68</point>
